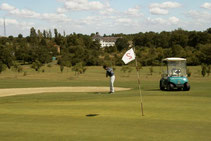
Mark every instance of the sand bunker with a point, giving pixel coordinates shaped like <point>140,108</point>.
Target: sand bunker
<point>24,91</point>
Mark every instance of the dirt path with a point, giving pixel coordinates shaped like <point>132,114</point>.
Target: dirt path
<point>24,91</point>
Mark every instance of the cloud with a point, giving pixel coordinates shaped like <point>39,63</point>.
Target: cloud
<point>55,17</point>
<point>134,11</point>
<point>206,5</point>
<point>158,11</point>
<point>200,16</point>
<point>161,21</point>
<point>173,20</point>
<point>123,20</point>
<point>14,22</point>
<point>25,13</point>
<point>197,20</point>
<point>86,5</point>
<point>80,5</point>
<point>7,7</point>
<point>162,8</point>
<point>61,10</point>
<point>166,5</point>
<point>107,11</point>
<point>156,20</point>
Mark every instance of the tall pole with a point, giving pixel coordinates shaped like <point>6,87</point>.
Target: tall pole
<point>139,86</point>
<point>4,28</point>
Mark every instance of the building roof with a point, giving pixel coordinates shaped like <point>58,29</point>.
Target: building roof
<point>110,39</point>
<point>174,59</point>
<point>105,39</point>
<point>97,37</point>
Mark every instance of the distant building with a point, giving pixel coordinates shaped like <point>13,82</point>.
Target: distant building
<point>105,41</point>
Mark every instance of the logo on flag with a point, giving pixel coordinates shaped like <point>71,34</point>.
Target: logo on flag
<point>128,56</point>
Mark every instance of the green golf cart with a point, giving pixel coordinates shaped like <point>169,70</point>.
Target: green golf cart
<point>174,78</point>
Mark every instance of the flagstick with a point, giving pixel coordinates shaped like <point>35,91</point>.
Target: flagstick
<point>139,86</point>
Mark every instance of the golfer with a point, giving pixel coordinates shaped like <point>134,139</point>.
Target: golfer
<point>110,73</point>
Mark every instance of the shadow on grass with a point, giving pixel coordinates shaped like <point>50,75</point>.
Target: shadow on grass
<point>92,115</point>
<point>100,93</point>
<point>158,90</point>
<point>152,90</point>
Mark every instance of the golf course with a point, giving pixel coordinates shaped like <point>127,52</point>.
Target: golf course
<point>67,107</point>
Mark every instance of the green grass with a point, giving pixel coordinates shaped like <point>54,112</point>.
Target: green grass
<point>168,116</point>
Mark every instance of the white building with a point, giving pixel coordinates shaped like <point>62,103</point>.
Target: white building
<point>105,41</point>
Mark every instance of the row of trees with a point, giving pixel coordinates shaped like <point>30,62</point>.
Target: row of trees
<point>39,47</point>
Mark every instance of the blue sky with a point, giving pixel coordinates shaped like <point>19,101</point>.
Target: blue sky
<point>104,16</point>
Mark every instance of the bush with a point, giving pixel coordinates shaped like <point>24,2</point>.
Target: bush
<point>2,67</point>
<point>188,72</point>
<point>25,73</point>
<point>18,67</point>
<point>36,65</point>
<point>126,69</point>
<point>79,69</point>
<point>203,70</point>
<point>208,70</point>
<point>49,65</point>
<point>61,67</point>
<point>151,70</point>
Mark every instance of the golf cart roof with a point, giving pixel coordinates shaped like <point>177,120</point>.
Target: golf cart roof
<point>174,59</point>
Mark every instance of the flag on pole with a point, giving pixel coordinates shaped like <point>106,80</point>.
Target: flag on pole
<point>128,56</point>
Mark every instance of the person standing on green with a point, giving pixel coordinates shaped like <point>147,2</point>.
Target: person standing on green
<point>110,73</point>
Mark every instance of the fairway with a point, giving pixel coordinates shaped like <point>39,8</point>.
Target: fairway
<point>94,116</point>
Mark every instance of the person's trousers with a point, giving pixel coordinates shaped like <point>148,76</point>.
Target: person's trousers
<point>112,79</point>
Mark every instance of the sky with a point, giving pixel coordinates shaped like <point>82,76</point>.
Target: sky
<point>103,16</point>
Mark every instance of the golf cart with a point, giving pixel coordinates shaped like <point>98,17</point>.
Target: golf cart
<point>175,77</point>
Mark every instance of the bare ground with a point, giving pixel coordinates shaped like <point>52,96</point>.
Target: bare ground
<point>25,91</point>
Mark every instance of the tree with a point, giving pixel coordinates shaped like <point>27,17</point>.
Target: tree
<point>39,34</point>
<point>178,51</point>
<point>126,69</point>
<point>33,36</point>
<point>61,67</point>
<point>188,72</point>
<point>203,70</point>
<point>65,60</point>
<point>55,33</point>
<point>23,54</point>
<point>41,54</point>
<point>79,69</point>
<point>36,65</point>
<point>17,67</point>
<point>2,67</point>
<point>6,56</point>
<point>20,36</point>
<point>205,53</point>
<point>179,37</point>
<point>44,34</point>
<point>163,40</point>
<point>208,30</point>
<point>33,33</point>
<point>208,70</point>
<point>122,43</point>
<point>151,70</point>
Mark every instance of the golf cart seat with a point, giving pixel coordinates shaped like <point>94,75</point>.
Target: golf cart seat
<point>176,72</point>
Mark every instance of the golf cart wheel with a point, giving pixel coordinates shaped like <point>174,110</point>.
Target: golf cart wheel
<point>186,87</point>
<point>170,87</point>
<point>161,87</point>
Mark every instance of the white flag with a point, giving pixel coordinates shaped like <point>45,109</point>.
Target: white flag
<point>128,56</point>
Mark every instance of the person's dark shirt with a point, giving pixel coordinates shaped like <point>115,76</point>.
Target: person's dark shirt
<point>109,72</point>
